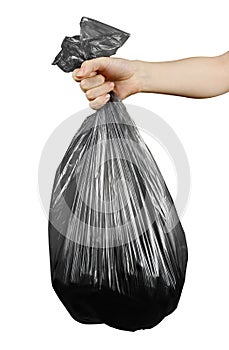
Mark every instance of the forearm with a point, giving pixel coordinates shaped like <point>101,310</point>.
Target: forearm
<point>197,77</point>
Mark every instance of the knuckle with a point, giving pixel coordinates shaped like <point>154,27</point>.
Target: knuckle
<point>105,60</point>
<point>89,94</point>
<point>93,105</point>
<point>84,63</point>
<point>101,79</point>
<point>83,84</point>
<point>109,86</point>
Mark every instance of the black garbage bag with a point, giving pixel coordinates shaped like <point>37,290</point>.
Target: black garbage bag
<point>118,252</point>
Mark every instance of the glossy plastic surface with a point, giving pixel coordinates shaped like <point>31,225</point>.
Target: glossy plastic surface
<point>117,248</point>
<point>96,39</point>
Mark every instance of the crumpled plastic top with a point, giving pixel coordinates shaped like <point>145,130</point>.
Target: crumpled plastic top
<point>96,39</point>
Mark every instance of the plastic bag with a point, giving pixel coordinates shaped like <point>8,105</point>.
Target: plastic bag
<point>118,252</point>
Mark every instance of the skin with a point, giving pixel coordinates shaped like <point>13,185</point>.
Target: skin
<point>194,77</point>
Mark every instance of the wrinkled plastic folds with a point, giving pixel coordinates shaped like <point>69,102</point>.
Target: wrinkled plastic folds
<point>118,252</point>
<point>95,40</point>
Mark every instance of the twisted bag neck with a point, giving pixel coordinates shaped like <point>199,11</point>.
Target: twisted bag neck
<point>96,39</point>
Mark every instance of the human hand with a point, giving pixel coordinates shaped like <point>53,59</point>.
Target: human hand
<point>101,75</point>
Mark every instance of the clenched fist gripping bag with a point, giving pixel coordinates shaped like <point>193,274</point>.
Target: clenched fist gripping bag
<point>118,252</point>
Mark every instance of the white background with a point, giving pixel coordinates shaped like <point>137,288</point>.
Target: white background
<point>36,97</point>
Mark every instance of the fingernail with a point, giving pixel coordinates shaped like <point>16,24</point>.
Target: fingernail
<point>107,97</point>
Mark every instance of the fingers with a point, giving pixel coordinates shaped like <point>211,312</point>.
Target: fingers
<point>99,101</point>
<point>99,91</point>
<point>92,82</point>
<point>93,65</point>
<point>76,78</point>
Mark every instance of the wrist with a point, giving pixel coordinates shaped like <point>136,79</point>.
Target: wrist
<point>138,75</point>
<point>142,75</point>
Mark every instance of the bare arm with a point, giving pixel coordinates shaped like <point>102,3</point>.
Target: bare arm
<point>196,77</point>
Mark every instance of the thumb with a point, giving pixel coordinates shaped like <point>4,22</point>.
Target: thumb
<point>93,65</point>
